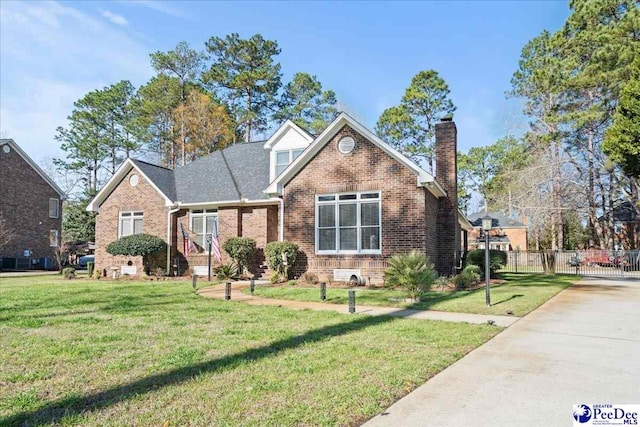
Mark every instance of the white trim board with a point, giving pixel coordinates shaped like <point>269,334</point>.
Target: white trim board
<point>424,179</point>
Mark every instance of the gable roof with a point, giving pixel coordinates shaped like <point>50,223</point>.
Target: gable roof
<point>33,165</point>
<point>423,177</point>
<point>240,171</point>
<point>162,176</point>
<point>499,220</point>
<point>283,129</point>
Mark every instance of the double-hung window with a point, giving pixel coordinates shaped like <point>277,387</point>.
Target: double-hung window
<point>284,159</point>
<point>203,222</point>
<point>54,208</point>
<point>130,223</point>
<point>348,223</point>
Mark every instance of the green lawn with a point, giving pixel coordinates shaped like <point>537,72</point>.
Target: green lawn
<point>522,293</point>
<point>88,352</point>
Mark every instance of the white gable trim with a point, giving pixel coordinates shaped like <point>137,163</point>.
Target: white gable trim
<point>423,177</point>
<point>34,166</point>
<point>283,129</point>
<point>121,172</point>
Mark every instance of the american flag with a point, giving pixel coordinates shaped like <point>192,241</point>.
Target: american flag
<point>188,245</point>
<point>215,244</point>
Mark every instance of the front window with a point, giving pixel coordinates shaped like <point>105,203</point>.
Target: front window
<point>54,208</point>
<point>130,223</point>
<point>348,223</point>
<point>284,159</point>
<point>53,238</point>
<point>203,222</point>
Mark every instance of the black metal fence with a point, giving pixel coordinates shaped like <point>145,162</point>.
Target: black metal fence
<point>585,263</point>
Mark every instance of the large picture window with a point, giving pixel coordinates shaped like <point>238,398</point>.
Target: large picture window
<point>348,223</point>
<point>130,223</point>
<point>203,222</point>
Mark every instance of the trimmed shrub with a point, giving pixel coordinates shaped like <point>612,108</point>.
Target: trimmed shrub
<point>97,274</point>
<point>412,272</point>
<point>273,256</point>
<point>467,277</point>
<point>69,273</point>
<point>241,250</point>
<point>144,245</point>
<point>497,259</point>
<point>292,283</point>
<point>226,272</point>
<point>90,269</point>
<point>274,278</point>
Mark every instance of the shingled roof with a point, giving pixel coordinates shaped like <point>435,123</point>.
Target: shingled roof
<point>499,220</point>
<point>240,171</point>
<point>162,177</point>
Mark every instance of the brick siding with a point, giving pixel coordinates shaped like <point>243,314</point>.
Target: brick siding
<point>24,207</point>
<point>408,212</point>
<point>125,198</point>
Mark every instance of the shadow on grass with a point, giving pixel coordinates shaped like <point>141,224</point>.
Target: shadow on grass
<point>508,299</point>
<point>54,412</point>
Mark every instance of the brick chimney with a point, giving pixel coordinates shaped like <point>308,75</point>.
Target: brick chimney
<point>447,175</point>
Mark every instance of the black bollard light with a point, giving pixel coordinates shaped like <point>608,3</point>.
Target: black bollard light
<point>252,286</point>
<point>323,291</point>
<point>352,302</point>
<point>227,291</point>
<point>194,281</point>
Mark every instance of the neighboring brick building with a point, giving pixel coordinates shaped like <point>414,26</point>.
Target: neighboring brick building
<point>30,208</point>
<point>345,197</point>
<point>507,234</point>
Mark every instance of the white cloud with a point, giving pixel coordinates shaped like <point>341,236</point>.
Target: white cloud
<point>50,56</point>
<point>115,18</point>
<point>159,6</point>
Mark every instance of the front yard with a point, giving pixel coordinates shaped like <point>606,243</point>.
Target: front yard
<point>88,352</point>
<point>521,294</point>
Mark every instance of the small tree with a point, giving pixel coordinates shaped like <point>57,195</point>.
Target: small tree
<point>144,245</point>
<point>273,253</point>
<point>241,250</point>
<point>413,272</point>
<point>497,259</point>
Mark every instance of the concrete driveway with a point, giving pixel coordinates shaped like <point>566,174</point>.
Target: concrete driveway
<point>583,346</point>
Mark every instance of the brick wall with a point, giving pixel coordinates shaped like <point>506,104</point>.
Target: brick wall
<point>408,211</point>
<point>24,206</point>
<point>143,197</point>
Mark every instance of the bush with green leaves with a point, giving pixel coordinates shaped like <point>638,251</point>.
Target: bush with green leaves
<point>226,272</point>
<point>241,250</point>
<point>69,273</point>
<point>497,259</point>
<point>467,277</point>
<point>412,272</point>
<point>273,256</point>
<point>144,245</point>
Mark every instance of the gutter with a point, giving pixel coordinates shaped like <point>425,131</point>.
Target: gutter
<point>169,213</point>
<point>281,228</point>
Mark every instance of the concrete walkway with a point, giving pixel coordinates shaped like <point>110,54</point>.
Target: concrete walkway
<point>237,295</point>
<point>581,347</point>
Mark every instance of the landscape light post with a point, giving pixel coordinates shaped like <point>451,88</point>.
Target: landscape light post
<point>209,238</point>
<point>487,223</point>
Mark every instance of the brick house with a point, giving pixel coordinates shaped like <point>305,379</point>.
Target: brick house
<point>31,209</point>
<point>348,199</point>
<point>507,233</point>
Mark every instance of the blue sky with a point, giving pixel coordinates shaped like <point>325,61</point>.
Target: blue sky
<point>52,53</point>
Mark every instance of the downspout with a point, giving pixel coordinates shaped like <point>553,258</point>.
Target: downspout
<point>281,228</point>
<point>168,270</point>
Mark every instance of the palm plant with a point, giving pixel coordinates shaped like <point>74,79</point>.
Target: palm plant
<point>226,272</point>
<point>412,272</point>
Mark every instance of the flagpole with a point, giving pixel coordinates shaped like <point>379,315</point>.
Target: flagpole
<point>209,239</point>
